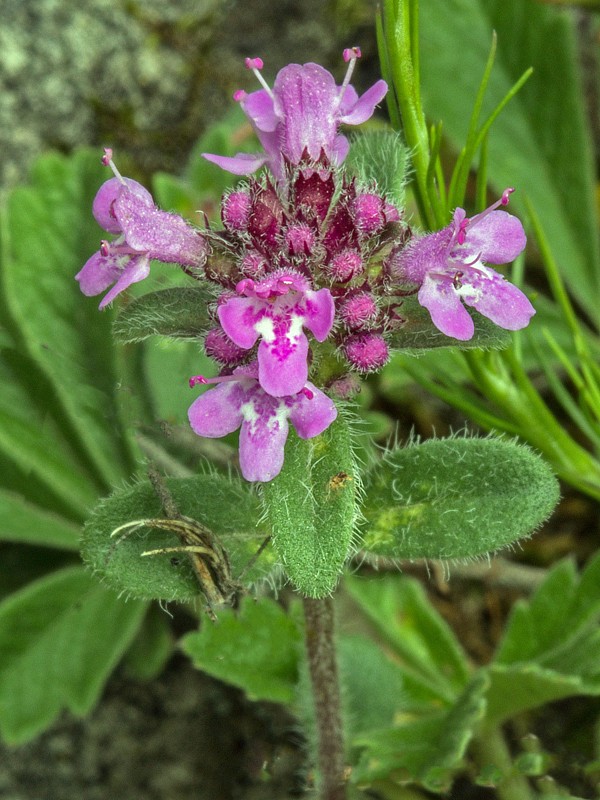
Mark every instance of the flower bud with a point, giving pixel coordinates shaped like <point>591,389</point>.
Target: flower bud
<point>366,351</point>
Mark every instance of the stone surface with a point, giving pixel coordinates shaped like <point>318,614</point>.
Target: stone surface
<point>146,77</point>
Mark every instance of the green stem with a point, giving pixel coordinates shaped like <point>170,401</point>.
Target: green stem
<point>490,749</point>
<point>506,384</point>
<point>322,663</point>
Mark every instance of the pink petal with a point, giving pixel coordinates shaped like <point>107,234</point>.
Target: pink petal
<point>448,314</point>
<point>497,238</point>
<point>258,107</point>
<point>310,417</point>
<point>216,412</point>
<point>167,237</point>
<point>240,164</point>
<point>238,316</point>
<point>98,273</point>
<point>262,449</point>
<point>136,270</point>
<point>102,207</point>
<point>502,302</point>
<point>319,313</point>
<point>305,99</point>
<point>283,365</point>
<point>365,106</point>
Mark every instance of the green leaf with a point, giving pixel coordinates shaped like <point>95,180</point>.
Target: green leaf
<point>551,645</point>
<point>152,647</point>
<point>311,507</point>
<point>226,507</point>
<point>256,648</point>
<point>23,522</point>
<point>517,688</point>
<point>425,750</point>
<point>428,650</point>
<point>538,627</point>
<point>174,194</point>
<point>455,498</point>
<point>60,638</point>
<point>540,143</point>
<point>418,334</point>
<point>34,442</point>
<point>181,313</point>
<point>47,235</point>
<point>373,686</point>
<point>168,365</point>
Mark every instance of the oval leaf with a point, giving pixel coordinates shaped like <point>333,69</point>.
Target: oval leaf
<point>456,498</point>
<point>225,507</point>
<point>311,508</point>
<point>178,312</point>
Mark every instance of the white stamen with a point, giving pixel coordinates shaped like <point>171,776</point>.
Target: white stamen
<point>347,78</point>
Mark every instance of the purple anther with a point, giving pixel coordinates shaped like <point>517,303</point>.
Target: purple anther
<point>254,63</point>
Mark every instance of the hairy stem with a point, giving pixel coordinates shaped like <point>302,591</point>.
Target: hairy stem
<point>320,648</point>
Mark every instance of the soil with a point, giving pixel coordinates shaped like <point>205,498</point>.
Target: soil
<point>183,736</point>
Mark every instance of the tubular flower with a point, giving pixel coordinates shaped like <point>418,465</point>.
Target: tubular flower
<point>276,310</point>
<point>125,208</point>
<point>449,267</point>
<point>239,401</point>
<point>300,116</point>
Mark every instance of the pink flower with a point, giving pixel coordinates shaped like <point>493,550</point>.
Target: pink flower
<point>125,208</point>
<point>449,266</point>
<point>301,115</point>
<point>240,401</point>
<point>276,309</point>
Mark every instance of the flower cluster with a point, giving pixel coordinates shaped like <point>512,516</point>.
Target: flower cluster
<point>309,268</point>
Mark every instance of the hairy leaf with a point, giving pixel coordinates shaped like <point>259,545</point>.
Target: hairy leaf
<point>311,509</point>
<point>455,498</point>
<point>180,312</point>
<point>227,508</point>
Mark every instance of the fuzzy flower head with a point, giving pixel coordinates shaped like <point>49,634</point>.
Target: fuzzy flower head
<point>125,208</point>
<point>300,116</point>
<point>239,401</point>
<point>276,310</point>
<point>450,268</point>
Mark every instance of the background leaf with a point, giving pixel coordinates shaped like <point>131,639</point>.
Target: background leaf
<point>47,235</point>
<point>26,523</point>
<point>423,643</point>
<point>551,644</point>
<point>426,750</point>
<point>256,648</point>
<point>60,638</point>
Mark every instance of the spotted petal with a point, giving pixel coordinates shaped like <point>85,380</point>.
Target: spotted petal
<point>164,236</point>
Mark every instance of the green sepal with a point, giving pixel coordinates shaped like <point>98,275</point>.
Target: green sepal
<point>455,498</point>
<point>381,157</point>
<point>180,312</point>
<point>418,333</point>
<point>311,507</point>
<point>225,507</point>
